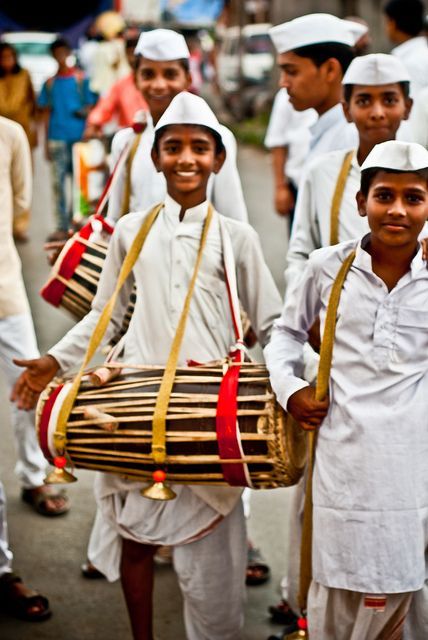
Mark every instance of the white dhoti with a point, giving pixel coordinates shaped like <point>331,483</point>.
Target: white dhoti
<point>18,340</point>
<point>336,614</point>
<point>5,552</point>
<point>416,625</point>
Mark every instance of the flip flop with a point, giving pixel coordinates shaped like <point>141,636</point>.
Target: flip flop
<point>20,605</point>
<point>282,613</point>
<point>90,572</point>
<point>38,497</point>
<point>258,571</point>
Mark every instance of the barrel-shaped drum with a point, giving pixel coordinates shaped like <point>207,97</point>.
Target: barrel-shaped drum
<point>110,427</point>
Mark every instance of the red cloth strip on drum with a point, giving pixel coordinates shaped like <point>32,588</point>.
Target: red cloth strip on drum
<point>44,423</point>
<point>54,290</point>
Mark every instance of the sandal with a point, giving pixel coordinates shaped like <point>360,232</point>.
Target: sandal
<point>19,601</point>
<point>282,613</point>
<point>90,572</point>
<point>258,571</point>
<point>39,497</point>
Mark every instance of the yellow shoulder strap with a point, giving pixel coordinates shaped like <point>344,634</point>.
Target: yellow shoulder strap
<point>128,169</point>
<point>338,196</point>
<point>102,324</point>
<point>323,377</point>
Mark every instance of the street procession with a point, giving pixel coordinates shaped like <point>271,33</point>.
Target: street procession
<point>214,320</point>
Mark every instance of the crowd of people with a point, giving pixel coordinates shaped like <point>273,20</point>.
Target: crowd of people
<point>346,349</point>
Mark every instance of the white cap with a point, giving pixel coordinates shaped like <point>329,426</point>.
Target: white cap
<point>398,156</point>
<point>315,28</point>
<point>374,69</point>
<point>162,44</point>
<point>186,108</point>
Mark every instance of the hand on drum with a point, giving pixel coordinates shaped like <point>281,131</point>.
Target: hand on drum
<point>308,411</point>
<point>33,380</point>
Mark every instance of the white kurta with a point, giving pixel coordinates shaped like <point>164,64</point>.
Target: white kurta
<point>414,55</point>
<point>162,275</point>
<point>290,128</point>
<point>419,118</point>
<point>330,132</point>
<point>148,187</point>
<point>371,473</point>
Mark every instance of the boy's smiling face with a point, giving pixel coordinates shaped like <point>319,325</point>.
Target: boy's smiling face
<point>187,157</point>
<point>377,111</point>
<point>159,82</point>
<point>396,207</point>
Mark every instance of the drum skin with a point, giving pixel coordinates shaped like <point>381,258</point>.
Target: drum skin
<point>274,448</point>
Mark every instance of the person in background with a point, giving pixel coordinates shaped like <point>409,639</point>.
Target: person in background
<point>65,99</point>
<point>109,63</point>
<point>18,103</point>
<point>120,104</point>
<point>404,23</point>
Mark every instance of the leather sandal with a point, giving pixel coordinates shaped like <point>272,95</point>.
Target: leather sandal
<point>38,498</point>
<point>31,607</point>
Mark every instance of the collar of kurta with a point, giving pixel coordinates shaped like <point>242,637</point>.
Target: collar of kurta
<point>327,120</point>
<point>363,260</point>
<point>194,214</point>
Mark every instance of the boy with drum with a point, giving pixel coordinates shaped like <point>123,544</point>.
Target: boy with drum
<point>370,481</point>
<point>205,525</point>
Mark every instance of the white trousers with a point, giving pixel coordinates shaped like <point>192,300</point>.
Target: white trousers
<point>5,552</point>
<point>337,614</point>
<point>18,340</point>
<point>416,625</point>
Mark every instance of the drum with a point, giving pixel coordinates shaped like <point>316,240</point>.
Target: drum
<point>110,427</point>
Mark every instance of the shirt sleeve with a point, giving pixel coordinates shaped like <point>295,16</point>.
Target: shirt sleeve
<point>104,109</point>
<point>227,194</point>
<point>419,119</point>
<point>285,352</point>
<point>70,350</point>
<point>305,236</point>
<point>276,134</point>
<point>21,173</point>
<point>256,288</point>
<point>44,98</point>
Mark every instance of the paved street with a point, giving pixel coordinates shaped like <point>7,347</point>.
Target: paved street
<point>48,552</point>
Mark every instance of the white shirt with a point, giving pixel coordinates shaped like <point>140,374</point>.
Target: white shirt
<point>331,131</point>
<point>162,274</point>
<point>290,128</point>
<point>15,198</point>
<point>148,187</point>
<point>311,226</point>
<point>371,473</point>
<point>414,55</point>
<point>419,118</point>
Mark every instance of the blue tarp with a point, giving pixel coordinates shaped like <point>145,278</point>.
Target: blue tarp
<point>192,11</point>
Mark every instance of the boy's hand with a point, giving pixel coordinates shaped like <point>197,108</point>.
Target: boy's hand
<point>33,380</point>
<point>306,410</point>
<point>284,200</point>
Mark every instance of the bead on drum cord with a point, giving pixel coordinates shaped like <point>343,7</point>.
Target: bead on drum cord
<point>159,475</point>
<point>60,462</point>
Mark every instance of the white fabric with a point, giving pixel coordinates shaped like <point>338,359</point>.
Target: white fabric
<point>290,128</point>
<point>414,55</point>
<point>419,118</point>
<point>371,478</point>
<point>149,187</point>
<point>187,108</point>
<point>6,555</point>
<point>315,28</point>
<point>162,44</point>
<point>15,197</point>
<point>375,69</point>
<point>311,226</point>
<point>330,132</point>
<point>416,625</point>
<point>17,340</point>
<point>396,155</point>
<point>211,575</point>
<point>209,335</point>
<point>336,614</point>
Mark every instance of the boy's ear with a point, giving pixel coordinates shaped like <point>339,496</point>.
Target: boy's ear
<point>219,160</point>
<point>361,204</point>
<point>345,107</point>
<point>155,159</point>
<point>409,105</point>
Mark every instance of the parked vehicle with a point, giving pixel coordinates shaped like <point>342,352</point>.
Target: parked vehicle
<point>34,54</point>
<point>244,64</point>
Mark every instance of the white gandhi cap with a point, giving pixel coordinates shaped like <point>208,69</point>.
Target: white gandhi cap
<point>186,108</point>
<point>162,44</point>
<point>315,28</point>
<point>398,156</point>
<point>375,69</point>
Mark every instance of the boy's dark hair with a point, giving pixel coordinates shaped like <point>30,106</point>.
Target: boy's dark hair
<point>4,46</point>
<point>348,89</point>
<point>320,53</point>
<point>183,62</point>
<point>59,43</point>
<point>368,175</point>
<point>131,43</point>
<point>219,146</point>
<point>408,15</point>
